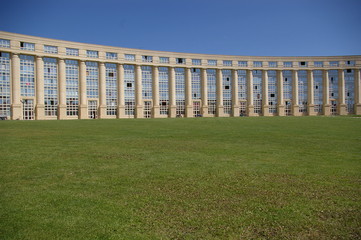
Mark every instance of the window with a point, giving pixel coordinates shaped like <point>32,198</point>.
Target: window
<point>72,52</point>
<point>211,90</point>
<point>180,91</point>
<point>147,82</point>
<point>272,64</point>
<point>147,59</point>
<point>196,83</point>
<point>5,84</point>
<point>334,63</point>
<point>350,63</point>
<point>72,87</point>
<point>164,59</point>
<point>180,61</point>
<point>227,91</point>
<point>51,86</point>
<point>318,64</point>
<point>257,64</point>
<point>303,64</point>
<point>92,54</point>
<point>242,63</point>
<point>27,76</point>
<point>129,57</point>
<point>196,62</point>
<point>27,46</point>
<point>50,49</point>
<point>4,43</point>
<point>272,91</point>
<point>227,63</point>
<point>110,55</point>
<point>163,90</point>
<point>111,88</point>
<point>287,64</point>
<point>212,62</point>
<point>92,75</point>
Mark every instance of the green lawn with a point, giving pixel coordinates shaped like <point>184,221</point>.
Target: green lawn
<point>203,178</point>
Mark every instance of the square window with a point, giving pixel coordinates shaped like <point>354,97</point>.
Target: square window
<point>129,84</point>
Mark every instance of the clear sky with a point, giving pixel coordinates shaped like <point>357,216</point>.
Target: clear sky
<point>230,27</point>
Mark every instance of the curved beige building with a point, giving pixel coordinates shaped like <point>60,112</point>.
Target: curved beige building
<point>52,79</point>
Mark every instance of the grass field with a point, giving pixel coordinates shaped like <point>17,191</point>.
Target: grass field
<point>215,178</point>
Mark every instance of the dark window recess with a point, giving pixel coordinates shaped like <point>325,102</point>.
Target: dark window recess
<point>227,79</point>
<point>271,103</point>
<point>111,74</point>
<point>129,85</point>
<point>194,70</point>
<point>349,70</point>
<point>194,94</point>
<point>285,79</point>
<point>303,63</point>
<point>331,79</point>
<point>316,87</point>
<point>258,96</point>
<point>348,94</point>
<point>179,60</point>
<point>348,62</point>
<point>331,94</point>
<point>272,95</point>
<point>21,44</point>
<point>1,54</point>
<point>145,94</point>
<point>48,70</point>
<point>226,87</point>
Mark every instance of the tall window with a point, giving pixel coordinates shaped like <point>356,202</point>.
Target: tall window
<point>227,91</point>
<point>92,79</point>
<point>287,85</point>
<point>147,59</point>
<point>257,91</point>
<point>27,46</point>
<point>4,43</point>
<point>27,73</point>
<point>111,88</point>
<point>196,83</point>
<point>72,87</point>
<point>129,89</point>
<point>349,90</point>
<point>163,90</point>
<point>146,82</point>
<point>212,90</point>
<point>272,91</point>
<point>302,91</point>
<point>333,77</point>
<point>242,91</point>
<point>318,89</point>
<point>179,91</point>
<point>50,86</point>
<point>4,84</point>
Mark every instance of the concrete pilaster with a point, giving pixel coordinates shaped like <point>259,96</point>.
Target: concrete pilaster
<point>326,94</point>
<point>250,106</point>
<point>16,112</point>
<point>204,88</point>
<point>280,100</point>
<point>83,108</point>
<point>121,104</point>
<point>295,106</point>
<point>62,89</point>
<point>156,108</point>
<point>172,102</point>
<point>235,101</point>
<point>265,106</point>
<point>311,102</point>
<point>39,108</point>
<point>341,109</point>
<point>188,93</point>
<point>357,92</point>
<point>102,91</point>
<point>219,85</point>
<point>138,92</point>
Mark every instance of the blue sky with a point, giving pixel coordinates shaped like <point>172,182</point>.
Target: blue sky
<point>230,27</point>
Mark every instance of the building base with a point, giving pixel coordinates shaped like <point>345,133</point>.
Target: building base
<point>220,111</point>
<point>40,112</point>
<point>342,109</point>
<point>250,111</point>
<point>16,113</point>
<point>326,110</point>
<point>83,112</point>
<point>62,112</point>
<point>156,112</point>
<point>172,111</point>
<point>265,110</point>
<point>102,111</point>
<point>358,109</point>
<point>189,111</point>
<point>139,111</point>
<point>281,110</point>
<point>311,110</point>
<point>204,111</point>
<point>121,112</point>
<point>296,111</point>
<point>235,111</point>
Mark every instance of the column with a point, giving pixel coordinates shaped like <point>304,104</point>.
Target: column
<point>281,104</point>
<point>265,106</point>
<point>235,101</point>
<point>138,92</point>
<point>39,108</point>
<point>341,93</point>
<point>311,102</point>
<point>172,101</point>
<point>357,92</point>
<point>188,93</point>
<point>219,85</point>
<point>102,91</point>
<point>62,89</point>
<point>204,88</point>
<point>326,94</point>
<point>121,104</point>
<point>295,106</point>
<point>250,106</point>
<point>156,107</point>
<point>15,84</point>
<point>83,108</point>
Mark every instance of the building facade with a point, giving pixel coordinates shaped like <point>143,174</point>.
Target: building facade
<point>52,79</point>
